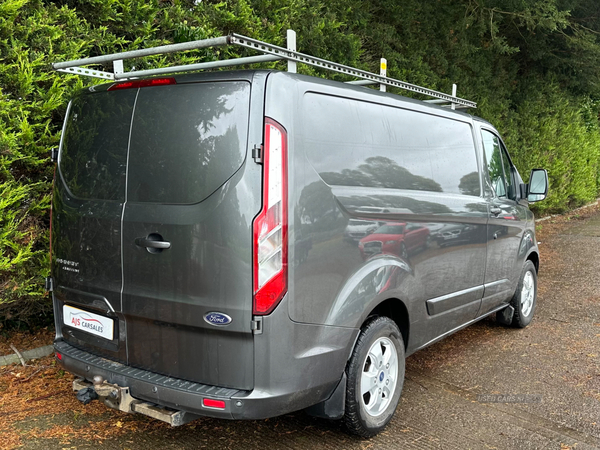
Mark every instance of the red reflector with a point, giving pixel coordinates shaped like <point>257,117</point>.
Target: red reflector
<point>142,83</point>
<point>210,403</point>
<point>59,356</point>
<point>268,296</point>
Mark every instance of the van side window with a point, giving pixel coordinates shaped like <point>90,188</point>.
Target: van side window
<point>357,143</point>
<point>498,165</point>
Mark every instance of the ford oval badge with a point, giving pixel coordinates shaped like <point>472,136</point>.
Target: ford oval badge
<point>217,318</point>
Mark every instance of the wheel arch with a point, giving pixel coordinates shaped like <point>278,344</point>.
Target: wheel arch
<point>396,310</point>
<point>534,257</point>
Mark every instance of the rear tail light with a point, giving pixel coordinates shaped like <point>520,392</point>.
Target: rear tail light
<point>142,83</point>
<point>210,403</point>
<point>58,356</point>
<point>270,226</point>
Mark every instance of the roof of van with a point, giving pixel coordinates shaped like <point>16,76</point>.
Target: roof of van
<point>377,93</point>
<point>249,75</point>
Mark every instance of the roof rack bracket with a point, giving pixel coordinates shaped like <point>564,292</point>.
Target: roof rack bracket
<point>292,66</point>
<point>88,72</point>
<point>118,66</point>
<point>382,72</point>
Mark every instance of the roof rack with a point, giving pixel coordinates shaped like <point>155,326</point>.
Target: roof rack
<point>269,52</point>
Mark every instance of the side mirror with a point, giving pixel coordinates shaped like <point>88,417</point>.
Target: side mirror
<point>537,189</point>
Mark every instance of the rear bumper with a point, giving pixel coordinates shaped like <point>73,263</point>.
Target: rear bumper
<point>295,366</point>
<point>145,385</point>
<point>186,395</point>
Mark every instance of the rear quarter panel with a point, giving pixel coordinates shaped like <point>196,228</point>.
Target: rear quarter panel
<point>330,282</point>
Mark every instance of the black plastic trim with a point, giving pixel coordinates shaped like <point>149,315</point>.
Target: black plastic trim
<point>152,387</point>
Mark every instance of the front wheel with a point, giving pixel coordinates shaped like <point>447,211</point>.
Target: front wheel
<point>525,298</point>
<point>375,375</point>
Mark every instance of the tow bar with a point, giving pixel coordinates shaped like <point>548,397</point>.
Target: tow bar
<point>118,397</point>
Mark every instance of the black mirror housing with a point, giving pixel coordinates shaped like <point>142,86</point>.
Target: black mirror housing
<point>523,190</point>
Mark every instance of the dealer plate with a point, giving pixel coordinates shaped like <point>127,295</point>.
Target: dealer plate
<point>89,322</point>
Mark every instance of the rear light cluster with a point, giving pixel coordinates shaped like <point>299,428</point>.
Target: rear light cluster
<point>270,226</point>
<point>142,83</point>
<point>211,403</point>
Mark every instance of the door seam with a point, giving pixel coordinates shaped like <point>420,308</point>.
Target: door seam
<point>122,222</point>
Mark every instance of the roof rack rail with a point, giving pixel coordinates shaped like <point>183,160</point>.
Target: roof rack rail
<point>269,52</point>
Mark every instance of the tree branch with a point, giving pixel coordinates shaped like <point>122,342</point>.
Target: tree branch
<point>18,354</point>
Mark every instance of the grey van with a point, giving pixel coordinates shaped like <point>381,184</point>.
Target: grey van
<point>201,258</point>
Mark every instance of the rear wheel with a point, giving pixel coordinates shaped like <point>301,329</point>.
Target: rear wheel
<point>375,377</point>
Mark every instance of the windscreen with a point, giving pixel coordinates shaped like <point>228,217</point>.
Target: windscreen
<point>187,140</point>
<point>93,156</point>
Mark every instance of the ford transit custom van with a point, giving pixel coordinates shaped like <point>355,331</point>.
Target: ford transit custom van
<point>245,244</point>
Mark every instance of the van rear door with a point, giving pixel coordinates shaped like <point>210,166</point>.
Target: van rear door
<point>187,234</point>
<point>87,203</point>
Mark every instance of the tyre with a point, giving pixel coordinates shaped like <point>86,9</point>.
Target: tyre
<point>375,376</point>
<point>525,298</point>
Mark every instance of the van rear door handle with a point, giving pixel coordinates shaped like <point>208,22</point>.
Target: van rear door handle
<point>149,243</point>
<point>495,211</point>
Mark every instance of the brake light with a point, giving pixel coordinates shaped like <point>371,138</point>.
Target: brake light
<point>58,356</point>
<point>142,83</point>
<point>270,226</point>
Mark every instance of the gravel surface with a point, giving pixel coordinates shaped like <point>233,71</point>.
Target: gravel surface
<point>551,368</point>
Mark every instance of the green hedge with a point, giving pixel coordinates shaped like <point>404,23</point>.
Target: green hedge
<point>531,65</point>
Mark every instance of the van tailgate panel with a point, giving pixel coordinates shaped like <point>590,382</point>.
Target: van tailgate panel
<point>88,200</point>
<point>188,185</point>
<point>87,267</point>
<point>166,295</point>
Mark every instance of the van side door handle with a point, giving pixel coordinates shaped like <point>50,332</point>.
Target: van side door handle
<point>495,211</point>
<point>153,241</point>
